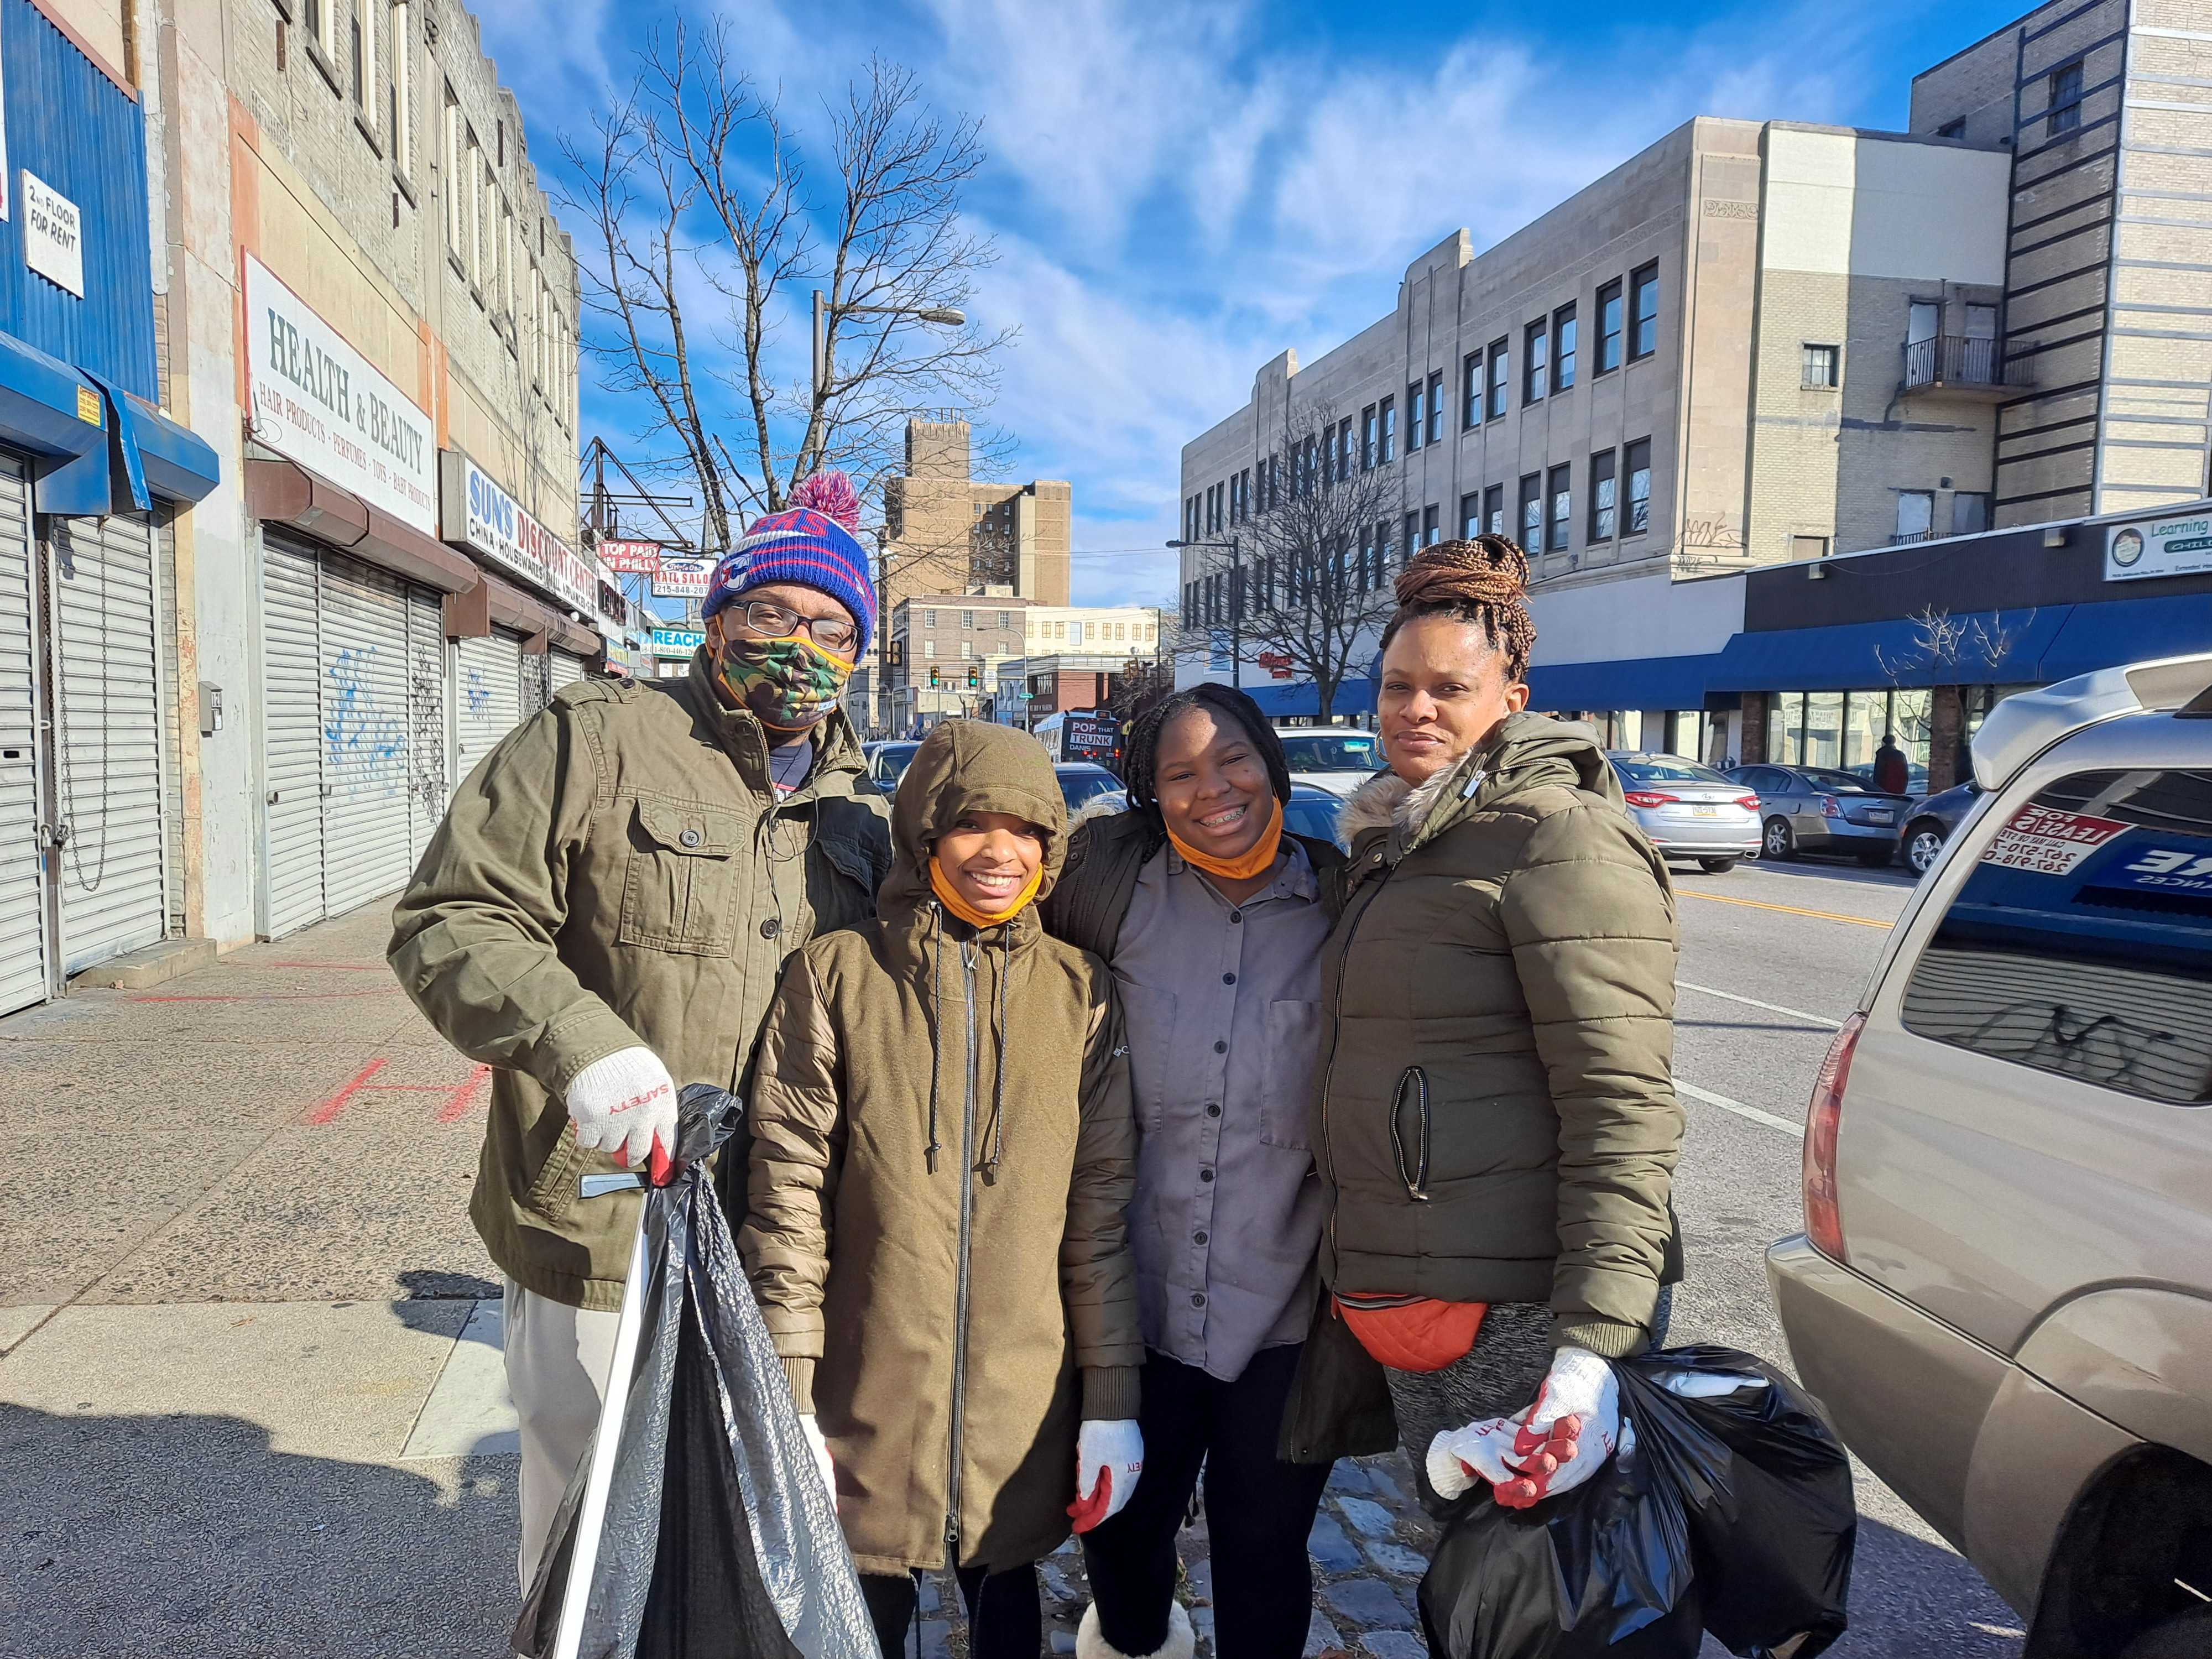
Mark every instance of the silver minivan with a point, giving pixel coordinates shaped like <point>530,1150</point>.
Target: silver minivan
<point>2004,1292</point>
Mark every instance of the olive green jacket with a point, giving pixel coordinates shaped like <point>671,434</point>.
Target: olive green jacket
<point>1497,1118</point>
<point>615,872</point>
<point>942,1149</point>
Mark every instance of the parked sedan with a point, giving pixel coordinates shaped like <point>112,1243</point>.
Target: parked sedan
<point>1313,812</point>
<point>1082,782</point>
<point>1824,809</point>
<point>1689,811</point>
<point>1932,822</point>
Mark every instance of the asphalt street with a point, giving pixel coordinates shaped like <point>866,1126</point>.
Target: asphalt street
<point>250,1397</point>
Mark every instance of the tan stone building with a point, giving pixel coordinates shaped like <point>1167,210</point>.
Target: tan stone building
<point>948,531</point>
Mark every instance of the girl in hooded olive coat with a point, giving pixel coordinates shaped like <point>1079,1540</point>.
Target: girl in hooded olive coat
<point>943,1148</point>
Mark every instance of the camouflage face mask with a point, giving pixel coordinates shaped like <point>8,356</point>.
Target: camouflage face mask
<point>789,684</point>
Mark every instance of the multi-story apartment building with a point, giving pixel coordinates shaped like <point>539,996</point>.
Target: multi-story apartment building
<point>946,652</point>
<point>947,530</point>
<point>1133,629</point>
<point>320,311</point>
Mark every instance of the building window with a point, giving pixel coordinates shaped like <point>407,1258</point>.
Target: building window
<point>1007,620</point>
<point>1470,376</point>
<point>450,163</point>
<point>400,116</point>
<point>363,43</point>
<point>1494,509</point>
<point>1916,515</point>
<point>928,648</point>
<point>2066,98</point>
<point>967,649</point>
<point>1416,416</point>
<point>1532,513</point>
<point>1817,365</point>
<point>929,619</point>
<point>1431,529</point>
<point>1367,439</point>
<point>1470,516</point>
<point>1808,547</point>
<point>1536,362</point>
<point>1636,461</point>
<point>1970,513</point>
<point>1389,450</point>
<point>1608,327</point>
<point>1644,312</point>
<point>1602,506</point>
<point>1344,447</point>
<point>968,619</point>
<point>1501,376</point>
<point>1436,407</point>
<point>1953,129</point>
<point>1563,508</point>
<point>1563,349</point>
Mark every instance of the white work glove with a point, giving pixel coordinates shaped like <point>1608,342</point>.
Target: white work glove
<point>625,1104</point>
<point>1109,1458</point>
<point>814,1439</point>
<point>1552,1445</point>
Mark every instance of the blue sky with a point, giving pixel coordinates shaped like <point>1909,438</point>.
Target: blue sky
<point>1179,191</point>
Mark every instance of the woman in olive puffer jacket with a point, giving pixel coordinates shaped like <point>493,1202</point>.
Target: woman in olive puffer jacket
<point>1498,1126</point>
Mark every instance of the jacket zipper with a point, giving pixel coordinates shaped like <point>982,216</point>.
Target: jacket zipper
<point>1336,1040</point>
<point>967,1173</point>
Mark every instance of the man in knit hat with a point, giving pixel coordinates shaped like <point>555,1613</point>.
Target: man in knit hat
<point>602,918</point>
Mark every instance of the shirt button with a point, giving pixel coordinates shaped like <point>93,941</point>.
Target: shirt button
<point>1198,1298</point>
<point>690,838</point>
<point>1205,1175</point>
<point>1213,1108</point>
<point>1235,915</point>
<point>1228,979</point>
<point>771,927</point>
<point>1199,1237</point>
<point>1220,1047</point>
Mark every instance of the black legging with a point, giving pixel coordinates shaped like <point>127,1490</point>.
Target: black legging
<point>1004,1621</point>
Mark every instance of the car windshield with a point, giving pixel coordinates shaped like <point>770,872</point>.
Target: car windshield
<point>891,761</point>
<point>1081,785</point>
<point>1314,819</point>
<point>1331,751</point>
<point>1666,769</point>
<point>1836,783</point>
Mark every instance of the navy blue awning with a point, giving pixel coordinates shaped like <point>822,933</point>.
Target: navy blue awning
<point>1993,648</point>
<point>1282,700</point>
<point>1637,683</point>
<point>2128,630</point>
<point>101,449</point>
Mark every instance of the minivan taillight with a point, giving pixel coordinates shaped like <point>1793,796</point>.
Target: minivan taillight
<point>1824,1223</point>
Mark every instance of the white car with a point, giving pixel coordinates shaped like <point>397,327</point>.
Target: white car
<point>1336,758</point>
<point>1688,811</point>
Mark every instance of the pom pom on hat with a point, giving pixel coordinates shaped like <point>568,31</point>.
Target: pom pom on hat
<point>830,493</point>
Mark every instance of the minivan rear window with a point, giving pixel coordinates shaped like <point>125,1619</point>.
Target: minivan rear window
<point>2082,943</point>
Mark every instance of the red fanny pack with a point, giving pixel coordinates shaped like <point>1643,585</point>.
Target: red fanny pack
<point>1413,1333</point>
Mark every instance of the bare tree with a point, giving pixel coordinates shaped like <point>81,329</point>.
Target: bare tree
<point>1959,654</point>
<point>704,234</point>
<point>1306,583</point>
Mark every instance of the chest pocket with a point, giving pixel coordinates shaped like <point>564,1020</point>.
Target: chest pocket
<point>680,891</point>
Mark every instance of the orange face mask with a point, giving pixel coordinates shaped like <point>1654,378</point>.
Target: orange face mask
<point>1259,859</point>
<point>948,896</point>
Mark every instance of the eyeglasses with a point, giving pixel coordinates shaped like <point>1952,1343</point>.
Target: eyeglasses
<point>776,621</point>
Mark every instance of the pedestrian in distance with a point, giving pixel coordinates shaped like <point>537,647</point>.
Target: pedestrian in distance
<point>1213,921</point>
<point>1497,1126</point>
<point>1890,774</point>
<point>601,915</point>
<point>942,1154</point>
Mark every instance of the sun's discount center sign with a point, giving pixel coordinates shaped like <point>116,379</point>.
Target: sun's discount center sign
<point>322,404</point>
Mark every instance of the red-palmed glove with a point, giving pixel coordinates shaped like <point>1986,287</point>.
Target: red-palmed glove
<point>1109,1458</point>
<point>625,1104</point>
<point>1552,1445</point>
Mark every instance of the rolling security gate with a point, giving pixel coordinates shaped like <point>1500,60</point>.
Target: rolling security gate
<point>346,674</point>
<point>487,697</point>
<point>429,783</point>
<point>567,668</point>
<point>22,888</point>
<point>107,699</point>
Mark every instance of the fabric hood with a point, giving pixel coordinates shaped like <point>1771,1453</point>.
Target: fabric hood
<point>970,766</point>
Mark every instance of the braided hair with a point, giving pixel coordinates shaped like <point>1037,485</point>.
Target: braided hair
<point>1484,581</point>
<point>1225,703</point>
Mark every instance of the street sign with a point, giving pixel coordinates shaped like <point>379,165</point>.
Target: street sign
<point>682,579</point>
<point>632,558</point>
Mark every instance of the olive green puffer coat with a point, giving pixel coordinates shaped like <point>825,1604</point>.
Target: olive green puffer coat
<point>1498,1120</point>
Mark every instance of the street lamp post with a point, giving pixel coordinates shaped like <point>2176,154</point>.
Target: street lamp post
<point>1235,606</point>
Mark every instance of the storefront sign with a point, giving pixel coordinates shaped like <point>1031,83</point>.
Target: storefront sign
<point>2049,843</point>
<point>483,517</point>
<point>319,401</point>
<point>678,641</point>
<point>631,558</point>
<point>2161,547</point>
<point>682,579</point>
<point>53,234</point>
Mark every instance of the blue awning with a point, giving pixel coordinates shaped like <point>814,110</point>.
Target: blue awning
<point>1637,683</point>
<point>93,436</point>
<point>1282,700</point>
<point>2128,630</point>
<point>1993,648</point>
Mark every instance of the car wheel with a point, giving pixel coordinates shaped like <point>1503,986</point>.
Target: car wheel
<point>1781,841</point>
<point>2188,1637</point>
<point>1924,841</point>
<point>1717,866</point>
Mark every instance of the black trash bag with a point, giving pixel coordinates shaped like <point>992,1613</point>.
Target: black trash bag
<point>715,1535</point>
<point>1728,1509</point>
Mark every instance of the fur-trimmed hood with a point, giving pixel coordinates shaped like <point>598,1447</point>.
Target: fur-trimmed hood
<point>1526,750</point>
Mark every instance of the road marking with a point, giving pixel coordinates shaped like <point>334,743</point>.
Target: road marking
<point>1795,1130</point>
<point>1788,909</point>
<point>1771,1007</point>
<point>337,1104</point>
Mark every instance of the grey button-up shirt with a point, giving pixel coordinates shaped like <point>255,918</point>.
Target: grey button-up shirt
<point>1223,1004</point>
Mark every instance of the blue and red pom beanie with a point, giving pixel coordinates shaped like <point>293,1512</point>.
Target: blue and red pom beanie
<point>811,542</point>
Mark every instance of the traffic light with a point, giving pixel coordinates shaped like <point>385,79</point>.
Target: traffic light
<point>895,653</point>
<point>932,679</point>
<point>974,678</point>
